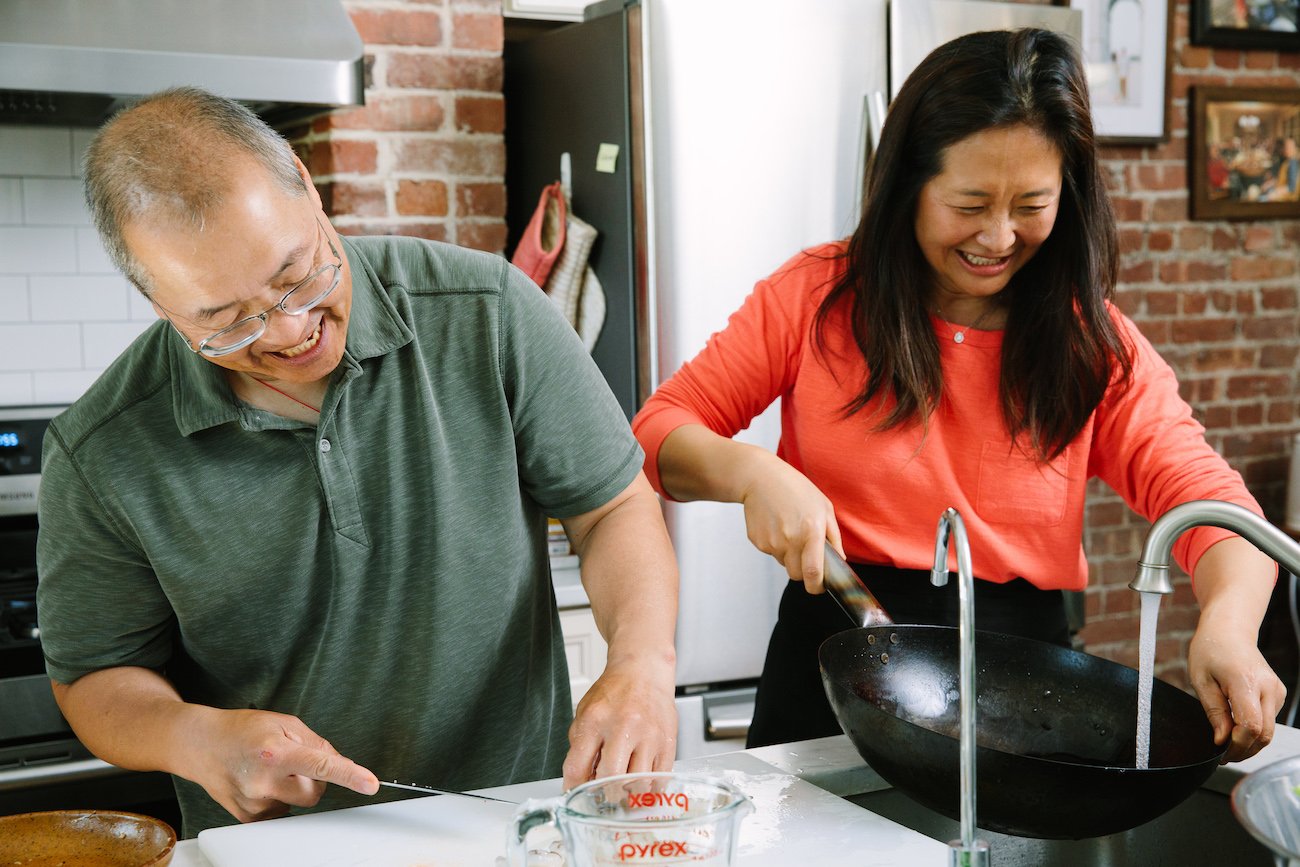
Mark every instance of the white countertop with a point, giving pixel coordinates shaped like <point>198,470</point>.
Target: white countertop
<point>830,764</point>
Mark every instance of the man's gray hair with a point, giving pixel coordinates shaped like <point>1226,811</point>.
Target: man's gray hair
<point>166,159</point>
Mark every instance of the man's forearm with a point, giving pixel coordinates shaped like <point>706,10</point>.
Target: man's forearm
<point>128,716</point>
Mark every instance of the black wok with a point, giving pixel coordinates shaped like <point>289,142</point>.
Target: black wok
<point>1055,729</point>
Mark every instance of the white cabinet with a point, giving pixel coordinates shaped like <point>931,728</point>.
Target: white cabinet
<point>585,649</point>
<point>552,10</point>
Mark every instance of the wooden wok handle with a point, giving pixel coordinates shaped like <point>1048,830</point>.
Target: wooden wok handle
<point>847,589</point>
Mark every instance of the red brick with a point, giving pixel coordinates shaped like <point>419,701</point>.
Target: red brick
<point>1217,417</point>
<point>343,198</point>
<point>1159,177</point>
<point>431,231</point>
<point>1245,302</point>
<point>1130,240</point>
<point>1192,238</point>
<point>489,236</point>
<point>1240,387</point>
<point>1281,412</point>
<point>1221,301</point>
<point>1288,60</point>
<point>481,200</point>
<point>1169,209</point>
<point>443,72</point>
<point>344,156</point>
<point>1129,302</point>
<point>1261,60</point>
<point>1191,271</point>
<point>1162,303</point>
<point>1227,58</point>
<point>1259,238</point>
<point>1128,210</point>
<point>1224,240</point>
<point>1271,328</point>
<point>480,114</point>
<point>1160,240</point>
<point>1278,355</point>
<point>477,31</point>
<point>1193,303</point>
<point>408,113</point>
<point>1209,360</point>
<point>397,26</point>
<point>1278,299</point>
<point>1194,57</point>
<point>1252,268</point>
<point>467,158</point>
<point>1250,414</point>
<point>1114,628</point>
<point>421,198</point>
<point>1142,271</point>
<point>1204,330</point>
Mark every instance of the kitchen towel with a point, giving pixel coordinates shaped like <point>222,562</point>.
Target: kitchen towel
<point>565,283</point>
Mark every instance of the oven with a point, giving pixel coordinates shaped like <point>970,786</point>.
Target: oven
<point>42,764</point>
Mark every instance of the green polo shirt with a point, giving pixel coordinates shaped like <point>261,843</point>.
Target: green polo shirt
<point>382,575</point>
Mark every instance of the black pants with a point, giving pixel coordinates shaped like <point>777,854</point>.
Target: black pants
<point>791,703</point>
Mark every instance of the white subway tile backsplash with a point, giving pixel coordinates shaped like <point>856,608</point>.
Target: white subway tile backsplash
<point>11,201</point>
<point>36,151</point>
<point>37,346</point>
<point>65,310</point>
<point>37,250</point>
<point>80,298</point>
<point>141,309</point>
<point>15,389</point>
<point>92,258</point>
<point>54,202</point>
<point>105,341</point>
<point>13,299</point>
<point>62,386</point>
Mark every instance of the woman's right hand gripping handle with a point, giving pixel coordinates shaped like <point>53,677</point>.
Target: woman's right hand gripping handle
<point>786,515</point>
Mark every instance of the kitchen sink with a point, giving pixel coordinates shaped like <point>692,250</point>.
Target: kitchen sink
<point>1201,830</point>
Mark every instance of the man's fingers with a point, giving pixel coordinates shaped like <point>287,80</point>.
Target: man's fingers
<point>330,767</point>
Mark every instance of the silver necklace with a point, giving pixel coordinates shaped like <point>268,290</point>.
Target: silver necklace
<point>959,332</point>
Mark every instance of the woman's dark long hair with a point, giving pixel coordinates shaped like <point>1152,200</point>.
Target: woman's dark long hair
<point>1061,349</point>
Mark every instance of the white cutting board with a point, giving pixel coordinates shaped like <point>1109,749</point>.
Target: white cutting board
<point>794,822</point>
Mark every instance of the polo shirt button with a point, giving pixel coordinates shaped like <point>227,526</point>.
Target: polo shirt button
<point>324,446</point>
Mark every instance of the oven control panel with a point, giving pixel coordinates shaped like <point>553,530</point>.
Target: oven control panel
<point>21,431</point>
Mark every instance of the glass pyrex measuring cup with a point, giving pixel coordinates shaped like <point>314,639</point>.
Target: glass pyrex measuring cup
<point>631,819</point>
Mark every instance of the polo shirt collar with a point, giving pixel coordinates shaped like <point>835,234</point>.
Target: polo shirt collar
<point>201,396</point>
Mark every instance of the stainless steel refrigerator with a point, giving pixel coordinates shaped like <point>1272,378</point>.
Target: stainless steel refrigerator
<point>709,140</point>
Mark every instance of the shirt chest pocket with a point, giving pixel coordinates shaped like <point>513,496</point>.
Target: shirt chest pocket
<point>1015,488</point>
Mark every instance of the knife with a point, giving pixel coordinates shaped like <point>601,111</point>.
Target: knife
<point>430,791</point>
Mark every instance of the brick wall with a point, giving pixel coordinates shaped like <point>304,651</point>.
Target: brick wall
<point>1218,300</point>
<point>426,155</point>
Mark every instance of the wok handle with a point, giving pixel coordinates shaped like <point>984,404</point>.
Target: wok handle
<point>847,589</point>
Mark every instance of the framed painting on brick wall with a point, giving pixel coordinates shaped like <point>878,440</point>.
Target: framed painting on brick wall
<point>1246,23</point>
<point>1126,52</point>
<point>1243,153</point>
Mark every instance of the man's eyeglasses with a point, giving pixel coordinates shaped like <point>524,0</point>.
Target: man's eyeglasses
<point>302,297</point>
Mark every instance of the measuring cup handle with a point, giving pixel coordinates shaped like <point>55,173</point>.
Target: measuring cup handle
<point>531,814</point>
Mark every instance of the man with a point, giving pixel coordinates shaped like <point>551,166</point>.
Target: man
<point>295,535</point>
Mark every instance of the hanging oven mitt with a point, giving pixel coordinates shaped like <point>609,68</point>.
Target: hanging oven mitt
<point>543,237</point>
<point>565,283</point>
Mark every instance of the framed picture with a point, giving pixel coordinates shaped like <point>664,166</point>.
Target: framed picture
<point>1126,50</point>
<point>1246,23</point>
<point>1244,159</point>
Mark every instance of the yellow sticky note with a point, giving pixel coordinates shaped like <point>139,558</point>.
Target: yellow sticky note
<point>607,158</point>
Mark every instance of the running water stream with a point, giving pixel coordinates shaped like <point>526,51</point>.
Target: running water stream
<point>1146,674</point>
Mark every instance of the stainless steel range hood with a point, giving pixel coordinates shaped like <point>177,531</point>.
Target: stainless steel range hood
<point>74,62</point>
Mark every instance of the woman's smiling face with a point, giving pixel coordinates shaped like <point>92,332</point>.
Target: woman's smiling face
<point>986,214</point>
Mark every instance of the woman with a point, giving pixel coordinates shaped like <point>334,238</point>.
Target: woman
<point>961,350</point>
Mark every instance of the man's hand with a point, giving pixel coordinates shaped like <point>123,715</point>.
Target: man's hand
<point>626,723</point>
<point>257,764</point>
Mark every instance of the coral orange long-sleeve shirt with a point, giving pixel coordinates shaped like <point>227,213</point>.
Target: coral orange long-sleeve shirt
<point>889,487</point>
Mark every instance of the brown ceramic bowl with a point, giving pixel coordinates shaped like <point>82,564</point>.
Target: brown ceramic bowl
<point>86,838</point>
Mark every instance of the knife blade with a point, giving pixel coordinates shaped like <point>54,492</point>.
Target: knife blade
<point>431,791</point>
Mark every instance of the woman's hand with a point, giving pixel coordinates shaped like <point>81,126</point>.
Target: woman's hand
<point>787,516</point>
<point>1239,691</point>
